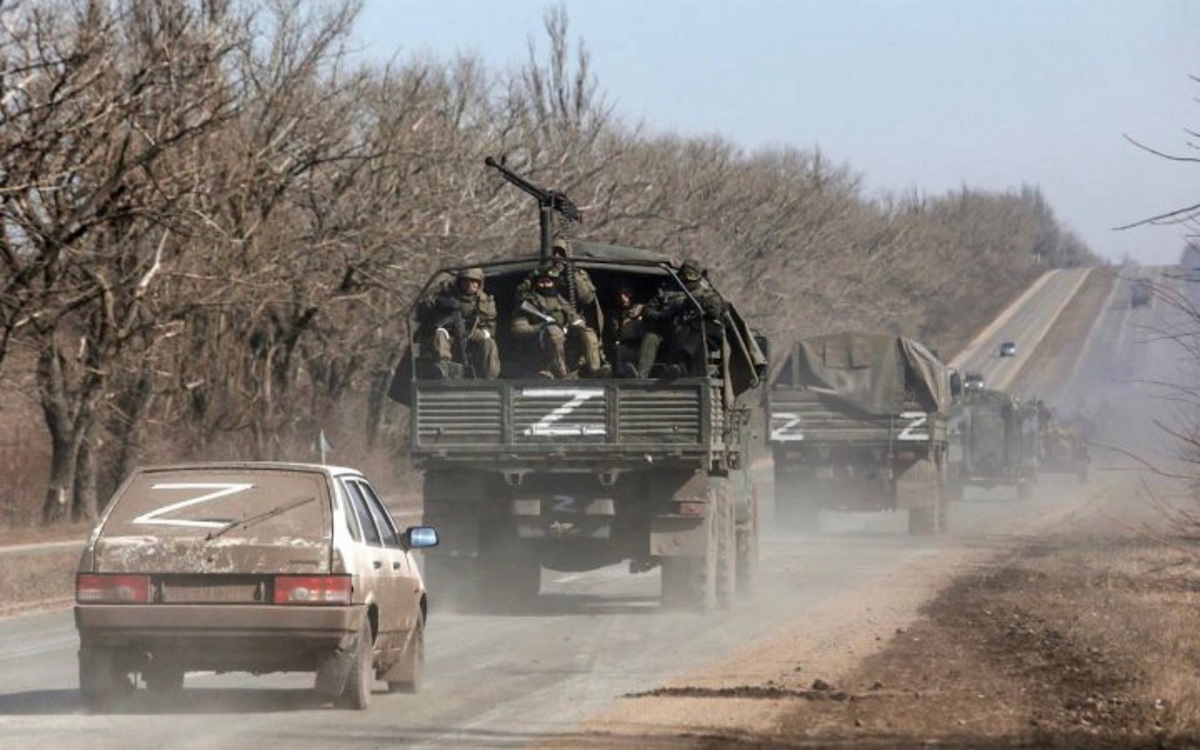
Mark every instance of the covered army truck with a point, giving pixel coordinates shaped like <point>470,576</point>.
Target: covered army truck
<point>994,441</point>
<point>525,473</point>
<point>858,422</point>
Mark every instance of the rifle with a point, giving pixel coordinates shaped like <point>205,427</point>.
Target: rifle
<point>529,307</point>
<point>549,201</point>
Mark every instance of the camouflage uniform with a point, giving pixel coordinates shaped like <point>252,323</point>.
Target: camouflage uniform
<point>574,284</point>
<point>625,332</point>
<point>453,316</point>
<point>559,333</point>
<point>673,318</point>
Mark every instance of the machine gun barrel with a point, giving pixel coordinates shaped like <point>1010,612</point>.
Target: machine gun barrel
<point>549,201</point>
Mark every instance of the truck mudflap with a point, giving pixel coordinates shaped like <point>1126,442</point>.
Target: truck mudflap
<point>685,532</point>
<point>679,536</point>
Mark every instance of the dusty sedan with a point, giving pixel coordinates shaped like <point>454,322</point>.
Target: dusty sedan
<point>250,567</point>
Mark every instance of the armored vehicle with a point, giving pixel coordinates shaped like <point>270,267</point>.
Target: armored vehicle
<point>994,441</point>
<point>858,422</point>
<point>526,473</point>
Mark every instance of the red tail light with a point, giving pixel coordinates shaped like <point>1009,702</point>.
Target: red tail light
<point>313,590</point>
<point>112,589</point>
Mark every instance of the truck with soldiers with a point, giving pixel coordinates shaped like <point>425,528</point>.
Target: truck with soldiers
<point>563,461</point>
<point>858,422</point>
<point>995,441</point>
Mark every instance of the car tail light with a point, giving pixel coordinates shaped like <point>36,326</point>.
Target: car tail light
<point>112,589</point>
<point>313,590</point>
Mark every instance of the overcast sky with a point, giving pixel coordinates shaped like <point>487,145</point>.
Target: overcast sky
<point>910,94</point>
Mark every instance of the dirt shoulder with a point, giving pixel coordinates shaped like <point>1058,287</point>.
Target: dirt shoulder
<point>1071,627</point>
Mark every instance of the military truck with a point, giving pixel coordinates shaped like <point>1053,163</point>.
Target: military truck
<point>1063,451</point>
<point>525,473</point>
<point>994,441</point>
<point>858,422</point>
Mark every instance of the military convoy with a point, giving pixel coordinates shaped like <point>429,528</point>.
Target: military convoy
<point>995,440</point>
<point>524,473</point>
<point>858,422</point>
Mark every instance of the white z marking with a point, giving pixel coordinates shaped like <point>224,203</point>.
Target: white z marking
<point>155,517</point>
<point>547,425</point>
<point>785,431</point>
<point>913,431</point>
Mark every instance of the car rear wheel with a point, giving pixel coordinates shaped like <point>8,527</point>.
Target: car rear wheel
<point>414,662</point>
<point>357,694</point>
<point>100,682</point>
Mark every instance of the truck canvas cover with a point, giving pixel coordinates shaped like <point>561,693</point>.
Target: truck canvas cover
<point>874,373</point>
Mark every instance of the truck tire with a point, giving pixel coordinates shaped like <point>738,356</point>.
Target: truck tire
<point>929,521</point>
<point>747,548</point>
<point>690,582</point>
<point>721,499</point>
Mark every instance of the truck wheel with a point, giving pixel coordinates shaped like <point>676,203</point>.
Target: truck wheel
<point>414,662</point>
<point>100,683</point>
<point>747,549</point>
<point>727,558</point>
<point>357,694</point>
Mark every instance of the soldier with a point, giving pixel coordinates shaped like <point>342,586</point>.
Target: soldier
<point>672,317</point>
<point>574,283</point>
<point>546,318</point>
<point>625,332</point>
<point>459,321</point>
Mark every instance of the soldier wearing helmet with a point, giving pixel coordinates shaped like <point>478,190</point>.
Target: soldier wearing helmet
<point>545,321</point>
<point>458,323</point>
<point>690,320</point>
<point>574,283</point>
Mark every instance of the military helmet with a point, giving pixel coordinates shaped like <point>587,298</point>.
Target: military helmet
<point>472,274</point>
<point>560,248</point>
<point>690,271</point>
<point>547,270</point>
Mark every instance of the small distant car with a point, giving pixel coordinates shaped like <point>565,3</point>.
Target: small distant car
<point>250,567</point>
<point>1008,349</point>
<point>972,381</point>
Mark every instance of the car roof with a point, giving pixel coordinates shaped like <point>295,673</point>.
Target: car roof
<point>328,470</point>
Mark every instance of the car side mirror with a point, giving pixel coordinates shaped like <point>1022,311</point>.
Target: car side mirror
<point>419,537</point>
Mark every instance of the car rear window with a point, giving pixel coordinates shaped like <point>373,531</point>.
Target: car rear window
<point>225,503</point>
